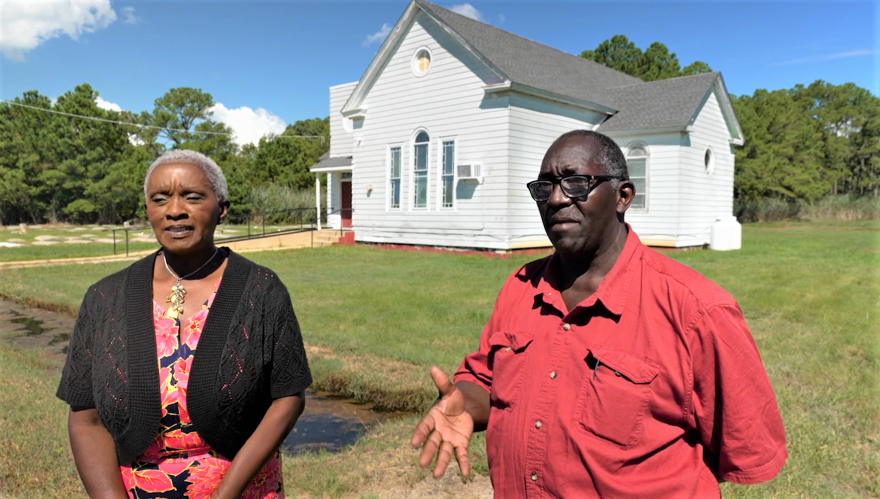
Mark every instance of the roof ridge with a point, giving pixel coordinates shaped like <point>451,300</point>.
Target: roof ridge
<point>715,73</point>
<point>581,59</point>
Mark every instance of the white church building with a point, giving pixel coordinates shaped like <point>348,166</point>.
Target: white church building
<point>434,145</point>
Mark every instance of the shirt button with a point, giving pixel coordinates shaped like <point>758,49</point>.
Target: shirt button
<point>566,326</point>
<point>534,477</point>
<point>617,374</point>
<point>538,424</point>
<point>553,375</point>
<point>507,349</point>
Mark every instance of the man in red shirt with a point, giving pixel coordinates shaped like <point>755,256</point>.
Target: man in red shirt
<point>607,369</point>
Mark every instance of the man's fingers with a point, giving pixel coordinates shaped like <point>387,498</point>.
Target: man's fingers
<point>464,464</point>
<point>423,429</point>
<point>431,446</point>
<point>443,457</point>
<point>443,384</point>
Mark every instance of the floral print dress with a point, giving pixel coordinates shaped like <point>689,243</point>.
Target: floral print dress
<point>179,464</point>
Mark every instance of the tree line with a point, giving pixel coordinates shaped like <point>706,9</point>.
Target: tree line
<point>801,144</point>
<point>56,166</point>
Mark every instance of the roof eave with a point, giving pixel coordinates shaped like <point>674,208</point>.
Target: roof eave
<point>645,131</point>
<point>355,101</point>
<point>544,94</point>
<point>385,50</point>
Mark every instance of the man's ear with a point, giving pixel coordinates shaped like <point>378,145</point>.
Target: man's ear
<point>626,191</point>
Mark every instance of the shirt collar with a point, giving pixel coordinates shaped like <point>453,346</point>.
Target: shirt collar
<point>613,290</point>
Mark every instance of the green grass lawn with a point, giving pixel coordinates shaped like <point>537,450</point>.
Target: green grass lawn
<point>374,320</point>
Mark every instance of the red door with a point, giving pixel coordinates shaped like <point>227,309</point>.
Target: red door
<point>346,205</point>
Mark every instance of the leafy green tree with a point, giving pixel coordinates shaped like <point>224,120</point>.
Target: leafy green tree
<point>178,111</point>
<point>655,63</point>
<point>618,53</point>
<point>696,68</point>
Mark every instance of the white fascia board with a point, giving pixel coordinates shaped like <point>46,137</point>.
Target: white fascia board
<point>527,90</point>
<point>727,109</point>
<point>330,169</point>
<point>360,112</point>
<point>646,131</point>
<point>385,51</point>
<point>454,34</point>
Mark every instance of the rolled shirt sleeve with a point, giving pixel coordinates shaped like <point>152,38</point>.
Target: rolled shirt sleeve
<point>734,407</point>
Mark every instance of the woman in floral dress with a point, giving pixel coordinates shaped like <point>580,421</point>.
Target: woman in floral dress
<point>180,386</point>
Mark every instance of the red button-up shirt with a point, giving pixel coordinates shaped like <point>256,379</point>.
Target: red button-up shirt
<point>651,387</point>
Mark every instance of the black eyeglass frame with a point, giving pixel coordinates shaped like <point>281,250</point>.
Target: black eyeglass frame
<point>560,181</point>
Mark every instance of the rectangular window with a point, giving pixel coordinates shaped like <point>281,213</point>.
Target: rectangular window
<point>638,174</point>
<point>448,174</point>
<point>420,175</point>
<point>394,178</point>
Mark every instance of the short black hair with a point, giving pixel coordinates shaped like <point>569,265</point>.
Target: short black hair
<point>612,159</point>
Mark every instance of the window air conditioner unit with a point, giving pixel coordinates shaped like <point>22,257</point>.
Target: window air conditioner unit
<point>470,171</point>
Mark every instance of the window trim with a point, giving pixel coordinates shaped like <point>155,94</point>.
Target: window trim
<point>415,57</point>
<point>709,166</point>
<point>647,157</point>
<point>388,178</point>
<point>412,171</point>
<point>441,151</point>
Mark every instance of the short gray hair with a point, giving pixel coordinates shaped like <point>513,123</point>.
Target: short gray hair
<point>204,163</point>
<point>611,158</point>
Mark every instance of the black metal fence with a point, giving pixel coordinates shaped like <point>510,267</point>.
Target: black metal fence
<point>251,226</point>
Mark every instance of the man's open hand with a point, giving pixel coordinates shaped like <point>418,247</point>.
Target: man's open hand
<point>447,428</point>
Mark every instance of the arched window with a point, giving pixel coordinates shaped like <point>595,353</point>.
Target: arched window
<point>637,165</point>
<point>421,149</point>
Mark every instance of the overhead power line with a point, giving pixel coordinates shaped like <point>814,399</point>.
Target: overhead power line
<point>139,125</point>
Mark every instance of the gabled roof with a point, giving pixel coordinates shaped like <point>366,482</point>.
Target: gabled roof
<point>326,162</point>
<point>524,65</point>
<point>657,104</point>
<point>532,64</point>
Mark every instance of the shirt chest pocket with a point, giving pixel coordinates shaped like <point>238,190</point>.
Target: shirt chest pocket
<point>507,360</point>
<point>614,396</point>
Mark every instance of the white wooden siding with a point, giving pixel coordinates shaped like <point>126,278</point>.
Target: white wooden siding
<point>448,102</point>
<point>705,197</point>
<point>534,124</point>
<point>658,223</point>
<point>340,140</point>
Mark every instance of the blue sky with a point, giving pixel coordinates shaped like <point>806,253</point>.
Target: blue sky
<point>270,63</point>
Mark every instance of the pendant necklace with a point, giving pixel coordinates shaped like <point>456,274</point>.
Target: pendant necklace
<point>177,291</point>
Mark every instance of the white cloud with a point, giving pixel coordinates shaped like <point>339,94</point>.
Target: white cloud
<point>467,10</point>
<point>501,18</point>
<point>25,24</point>
<point>378,36</point>
<point>827,57</point>
<point>249,125</point>
<point>110,106</point>
<point>129,16</point>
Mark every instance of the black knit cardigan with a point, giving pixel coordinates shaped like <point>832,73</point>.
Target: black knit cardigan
<point>250,352</point>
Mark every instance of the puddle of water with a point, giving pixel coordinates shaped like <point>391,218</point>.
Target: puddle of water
<point>34,327</point>
<point>331,424</point>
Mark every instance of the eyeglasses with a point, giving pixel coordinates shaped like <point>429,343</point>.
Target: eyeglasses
<point>575,186</point>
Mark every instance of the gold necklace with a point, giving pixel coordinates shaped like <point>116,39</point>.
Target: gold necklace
<point>177,291</point>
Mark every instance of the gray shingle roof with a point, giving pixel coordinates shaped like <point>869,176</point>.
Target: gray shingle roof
<point>641,105</point>
<point>325,161</point>
<point>530,63</point>
<point>657,104</point>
